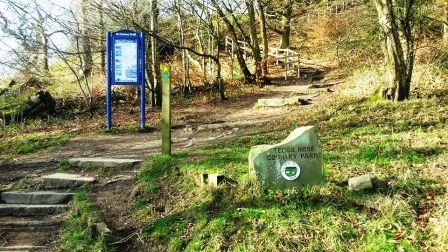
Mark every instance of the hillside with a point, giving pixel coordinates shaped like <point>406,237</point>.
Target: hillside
<point>219,112</point>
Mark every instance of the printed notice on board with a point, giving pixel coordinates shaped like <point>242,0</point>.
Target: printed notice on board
<point>126,61</point>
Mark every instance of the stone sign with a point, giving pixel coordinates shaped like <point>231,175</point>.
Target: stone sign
<point>295,162</point>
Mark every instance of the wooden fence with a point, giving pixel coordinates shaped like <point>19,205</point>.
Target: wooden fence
<point>285,60</point>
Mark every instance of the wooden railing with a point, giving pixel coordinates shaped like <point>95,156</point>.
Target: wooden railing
<point>286,59</point>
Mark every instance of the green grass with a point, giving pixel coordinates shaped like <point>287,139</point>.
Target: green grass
<point>76,234</point>
<point>29,143</point>
<point>402,145</point>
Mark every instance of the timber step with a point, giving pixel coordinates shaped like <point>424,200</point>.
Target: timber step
<point>31,210</point>
<point>36,198</point>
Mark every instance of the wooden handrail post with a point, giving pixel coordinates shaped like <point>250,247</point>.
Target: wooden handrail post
<point>226,47</point>
<point>298,65</point>
<point>233,49</point>
<point>286,65</point>
<point>245,51</point>
<point>276,55</point>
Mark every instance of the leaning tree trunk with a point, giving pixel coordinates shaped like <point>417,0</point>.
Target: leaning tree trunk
<point>286,25</point>
<point>254,45</point>
<point>248,76</point>
<point>399,68</point>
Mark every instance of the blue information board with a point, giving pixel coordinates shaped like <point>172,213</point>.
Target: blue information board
<point>125,66</point>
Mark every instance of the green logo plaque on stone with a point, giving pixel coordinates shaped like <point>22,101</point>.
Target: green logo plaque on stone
<point>295,162</point>
<point>290,170</point>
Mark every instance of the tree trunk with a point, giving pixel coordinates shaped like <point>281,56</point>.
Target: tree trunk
<point>399,68</point>
<point>102,40</point>
<point>286,28</point>
<point>185,65</point>
<point>248,76</point>
<point>45,55</point>
<point>44,42</point>
<point>445,22</point>
<point>264,37</point>
<point>218,79</point>
<point>155,65</point>
<point>86,45</point>
<point>255,46</point>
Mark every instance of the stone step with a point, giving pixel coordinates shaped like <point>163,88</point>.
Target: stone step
<point>65,180</point>
<point>23,248</point>
<point>31,210</point>
<point>278,102</point>
<point>30,225</point>
<point>103,162</point>
<point>36,198</point>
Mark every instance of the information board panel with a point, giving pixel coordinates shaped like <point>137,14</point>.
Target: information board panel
<point>125,66</point>
<point>125,61</point>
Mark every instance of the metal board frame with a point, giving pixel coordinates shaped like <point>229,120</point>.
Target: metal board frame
<point>139,38</point>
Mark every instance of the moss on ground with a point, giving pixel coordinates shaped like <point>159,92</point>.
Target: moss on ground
<point>77,233</point>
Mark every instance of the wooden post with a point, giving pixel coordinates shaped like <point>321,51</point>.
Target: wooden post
<point>298,65</point>
<point>232,59</point>
<point>233,49</point>
<point>226,49</point>
<point>245,51</point>
<point>286,64</point>
<point>276,55</point>
<point>166,110</point>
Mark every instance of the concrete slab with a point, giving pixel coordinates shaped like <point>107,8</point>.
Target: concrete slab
<point>65,180</point>
<point>36,198</point>
<point>103,162</point>
<point>31,210</point>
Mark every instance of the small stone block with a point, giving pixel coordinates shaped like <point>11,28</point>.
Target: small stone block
<point>360,183</point>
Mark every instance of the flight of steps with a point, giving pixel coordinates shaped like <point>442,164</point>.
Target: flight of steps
<point>30,220</point>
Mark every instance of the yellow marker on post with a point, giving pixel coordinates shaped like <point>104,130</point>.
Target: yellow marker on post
<point>166,110</point>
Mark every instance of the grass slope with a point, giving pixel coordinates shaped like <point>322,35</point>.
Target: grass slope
<point>402,145</point>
